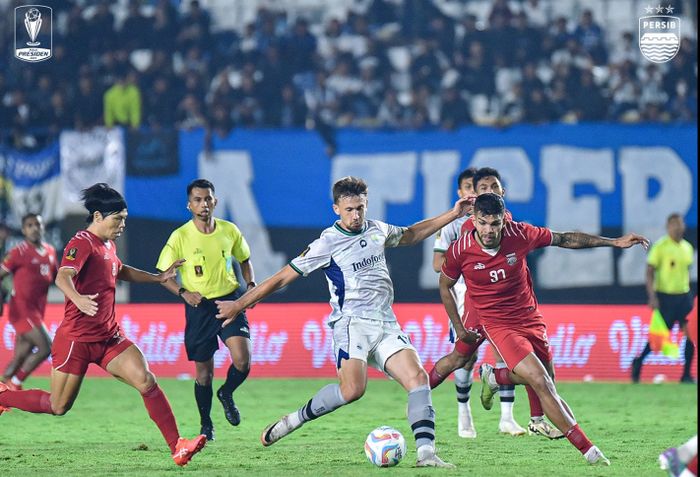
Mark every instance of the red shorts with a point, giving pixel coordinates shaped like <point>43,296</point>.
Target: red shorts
<point>470,320</point>
<point>515,342</point>
<point>74,357</point>
<point>24,325</point>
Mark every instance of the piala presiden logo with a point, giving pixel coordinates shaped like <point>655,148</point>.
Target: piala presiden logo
<point>33,33</point>
<point>659,35</point>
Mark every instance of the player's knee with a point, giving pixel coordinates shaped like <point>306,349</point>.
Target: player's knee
<point>242,365</point>
<point>542,383</point>
<point>204,378</point>
<point>43,354</point>
<point>420,378</point>
<point>60,408</point>
<point>352,392</point>
<point>145,383</point>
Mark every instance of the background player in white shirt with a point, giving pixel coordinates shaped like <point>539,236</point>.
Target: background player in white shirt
<point>365,330</point>
<point>464,375</point>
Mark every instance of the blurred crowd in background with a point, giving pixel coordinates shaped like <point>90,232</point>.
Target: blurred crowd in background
<point>381,64</point>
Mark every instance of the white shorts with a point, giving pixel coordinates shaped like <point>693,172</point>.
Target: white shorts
<point>372,341</point>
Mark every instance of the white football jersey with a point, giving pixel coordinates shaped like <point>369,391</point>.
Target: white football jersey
<point>355,267</point>
<point>443,239</point>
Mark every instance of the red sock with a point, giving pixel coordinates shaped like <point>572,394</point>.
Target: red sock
<point>435,378</point>
<point>21,374</point>
<point>578,438</point>
<point>33,400</point>
<point>693,465</point>
<point>503,376</point>
<point>535,404</point>
<point>159,409</point>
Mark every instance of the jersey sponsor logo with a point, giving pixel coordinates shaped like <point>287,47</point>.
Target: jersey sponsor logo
<point>198,270</point>
<point>368,262</point>
<point>479,266</point>
<point>72,253</point>
<point>511,259</point>
<point>363,243</point>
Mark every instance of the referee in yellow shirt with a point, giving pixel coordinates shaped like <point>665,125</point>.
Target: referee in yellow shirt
<point>209,246</point>
<point>668,288</point>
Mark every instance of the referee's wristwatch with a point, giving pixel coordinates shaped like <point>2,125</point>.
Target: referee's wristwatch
<point>181,291</point>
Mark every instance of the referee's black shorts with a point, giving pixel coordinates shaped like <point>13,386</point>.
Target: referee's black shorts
<point>202,328</point>
<point>675,308</point>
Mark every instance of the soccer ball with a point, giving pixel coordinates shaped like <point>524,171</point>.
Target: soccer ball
<point>385,447</point>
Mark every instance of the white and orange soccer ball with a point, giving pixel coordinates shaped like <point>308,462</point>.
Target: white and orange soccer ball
<point>385,447</point>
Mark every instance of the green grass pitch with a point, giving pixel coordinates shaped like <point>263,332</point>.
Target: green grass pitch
<point>109,433</point>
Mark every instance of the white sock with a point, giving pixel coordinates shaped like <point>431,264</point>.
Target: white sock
<point>16,381</point>
<point>687,451</point>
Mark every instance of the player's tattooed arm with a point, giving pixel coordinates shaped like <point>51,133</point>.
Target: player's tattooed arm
<point>584,240</point>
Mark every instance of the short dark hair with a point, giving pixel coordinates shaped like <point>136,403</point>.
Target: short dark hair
<point>102,198</point>
<point>347,187</point>
<point>489,204</point>
<point>199,184</point>
<point>485,172</point>
<point>30,215</point>
<point>674,216</point>
<point>466,174</point>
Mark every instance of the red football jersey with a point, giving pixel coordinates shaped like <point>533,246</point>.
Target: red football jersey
<point>97,265</point>
<point>499,285</point>
<point>33,271</point>
<point>468,224</point>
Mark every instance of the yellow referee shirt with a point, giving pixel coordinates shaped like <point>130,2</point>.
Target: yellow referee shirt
<point>671,261</point>
<point>209,267</point>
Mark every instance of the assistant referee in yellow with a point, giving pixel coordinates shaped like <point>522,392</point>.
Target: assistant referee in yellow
<point>210,245</point>
<point>668,288</point>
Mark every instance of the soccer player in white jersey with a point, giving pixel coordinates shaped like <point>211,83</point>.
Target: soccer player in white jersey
<point>365,330</point>
<point>464,375</point>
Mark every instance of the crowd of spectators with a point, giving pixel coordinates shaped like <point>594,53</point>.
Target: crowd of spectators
<point>400,65</point>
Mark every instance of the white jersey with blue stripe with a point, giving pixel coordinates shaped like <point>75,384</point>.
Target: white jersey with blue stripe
<point>355,267</point>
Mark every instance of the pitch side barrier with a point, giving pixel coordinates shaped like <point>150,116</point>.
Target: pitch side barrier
<point>589,342</point>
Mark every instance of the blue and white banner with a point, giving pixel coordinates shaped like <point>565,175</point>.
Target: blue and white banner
<point>32,184</point>
<point>89,157</point>
<point>593,178</point>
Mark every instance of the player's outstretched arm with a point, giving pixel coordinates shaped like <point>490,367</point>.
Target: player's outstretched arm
<point>131,274</point>
<point>584,240</point>
<point>420,231</point>
<point>229,309</point>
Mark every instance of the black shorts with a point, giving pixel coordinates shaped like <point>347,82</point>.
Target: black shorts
<point>202,328</point>
<point>675,308</point>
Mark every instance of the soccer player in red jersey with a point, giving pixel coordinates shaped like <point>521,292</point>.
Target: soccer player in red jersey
<point>493,261</point>
<point>33,266</point>
<point>488,180</point>
<point>89,332</point>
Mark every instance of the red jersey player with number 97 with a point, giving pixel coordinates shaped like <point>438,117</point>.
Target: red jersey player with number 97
<point>493,261</point>
<point>89,332</point>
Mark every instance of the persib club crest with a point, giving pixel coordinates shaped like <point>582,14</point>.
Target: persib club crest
<point>659,35</point>
<point>33,33</point>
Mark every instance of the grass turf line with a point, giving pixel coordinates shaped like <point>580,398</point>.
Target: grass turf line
<point>108,432</point>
